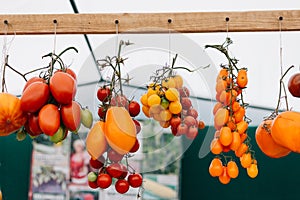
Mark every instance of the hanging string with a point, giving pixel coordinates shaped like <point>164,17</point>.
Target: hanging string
<point>54,42</point>
<point>280,45</point>
<point>169,40</point>
<point>117,35</point>
<point>5,50</point>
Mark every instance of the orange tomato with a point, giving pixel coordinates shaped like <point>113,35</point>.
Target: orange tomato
<point>225,136</point>
<point>242,78</point>
<point>224,178</point>
<point>236,141</point>
<point>246,160</point>
<point>221,117</point>
<point>216,147</point>
<point>241,150</point>
<point>232,169</point>
<point>216,167</point>
<point>252,171</point>
<point>242,126</point>
<point>239,114</point>
<point>217,106</point>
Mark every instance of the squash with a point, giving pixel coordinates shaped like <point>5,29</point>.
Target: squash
<point>266,143</point>
<point>12,117</point>
<point>96,143</point>
<point>120,130</point>
<point>286,130</point>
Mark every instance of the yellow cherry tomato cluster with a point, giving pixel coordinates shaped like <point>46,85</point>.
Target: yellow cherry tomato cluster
<point>167,101</point>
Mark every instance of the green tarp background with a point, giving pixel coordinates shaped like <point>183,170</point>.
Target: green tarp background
<point>278,178</point>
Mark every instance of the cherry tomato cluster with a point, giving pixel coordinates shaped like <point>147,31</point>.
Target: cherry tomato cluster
<point>110,153</point>
<point>50,106</point>
<point>167,101</point>
<point>231,127</point>
<point>103,178</point>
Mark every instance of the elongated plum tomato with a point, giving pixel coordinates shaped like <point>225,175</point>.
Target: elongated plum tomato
<point>68,71</point>
<point>35,97</point>
<point>33,80</point>
<point>63,87</point>
<point>49,119</point>
<point>70,115</point>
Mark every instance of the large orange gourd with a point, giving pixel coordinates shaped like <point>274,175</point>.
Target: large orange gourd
<point>286,130</point>
<point>266,143</point>
<point>120,130</point>
<point>12,117</point>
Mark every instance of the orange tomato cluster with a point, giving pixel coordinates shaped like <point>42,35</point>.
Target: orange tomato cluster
<point>168,103</point>
<point>231,127</point>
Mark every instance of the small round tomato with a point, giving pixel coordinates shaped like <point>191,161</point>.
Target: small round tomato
<point>93,184</point>
<point>175,121</point>
<point>124,172</point>
<point>182,129</point>
<point>192,132</point>
<point>35,97</point>
<point>135,147</point>
<point>101,112</point>
<point>122,186</point>
<point>190,121</point>
<point>113,156</point>
<point>98,163</point>
<point>294,85</point>
<point>49,119</point>
<point>119,100</point>
<point>104,180</point>
<point>186,103</point>
<point>137,125</point>
<point>184,92</point>
<point>134,108</point>
<point>70,115</point>
<point>115,170</point>
<point>63,87</point>
<point>135,180</point>
<point>103,94</point>
<point>192,112</point>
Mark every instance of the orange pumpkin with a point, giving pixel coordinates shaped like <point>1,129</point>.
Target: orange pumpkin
<point>96,143</point>
<point>266,143</point>
<point>120,130</point>
<point>286,130</point>
<point>12,117</point>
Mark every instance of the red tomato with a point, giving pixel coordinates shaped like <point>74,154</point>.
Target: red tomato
<point>174,130</point>
<point>192,132</point>
<point>33,80</point>
<point>63,87</point>
<point>193,112</point>
<point>33,123</point>
<point>190,121</point>
<point>134,108</point>
<point>137,125</point>
<point>113,156</point>
<point>119,100</point>
<point>35,97</point>
<point>182,129</point>
<point>101,112</point>
<point>115,170</point>
<point>135,180</point>
<point>294,85</point>
<point>98,163</point>
<point>104,180</point>
<point>184,92</point>
<point>122,186</point>
<point>72,73</point>
<point>125,172</point>
<point>186,103</point>
<point>135,147</point>
<point>93,185</point>
<point>70,115</point>
<point>49,119</point>
<point>175,121</point>
<point>103,94</point>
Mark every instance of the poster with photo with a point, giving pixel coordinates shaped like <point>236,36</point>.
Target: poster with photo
<point>49,169</point>
<point>80,192</point>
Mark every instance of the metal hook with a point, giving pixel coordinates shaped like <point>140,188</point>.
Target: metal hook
<point>116,21</point>
<point>169,20</point>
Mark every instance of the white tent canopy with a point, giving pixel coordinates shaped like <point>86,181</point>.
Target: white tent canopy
<point>259,52</point>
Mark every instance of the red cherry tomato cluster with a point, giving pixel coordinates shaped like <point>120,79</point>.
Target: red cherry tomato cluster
<point>104,174</point>
<point>50,106</point>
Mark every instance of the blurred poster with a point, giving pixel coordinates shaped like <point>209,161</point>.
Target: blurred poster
<point>49,169</point>
<point>83,193</point>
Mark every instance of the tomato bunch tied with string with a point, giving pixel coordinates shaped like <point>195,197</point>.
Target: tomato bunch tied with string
<point>168,102</point>
<point>49,102</point>
<point>112,141</point>
<point>231,123</point>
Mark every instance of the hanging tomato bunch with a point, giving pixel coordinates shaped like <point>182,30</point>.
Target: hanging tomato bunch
<point>230,122</point>
<point>113,139</point>
<point>168,101</point>
<point>278,134</point>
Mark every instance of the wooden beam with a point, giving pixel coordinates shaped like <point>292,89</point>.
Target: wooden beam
<point>192,22</point>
